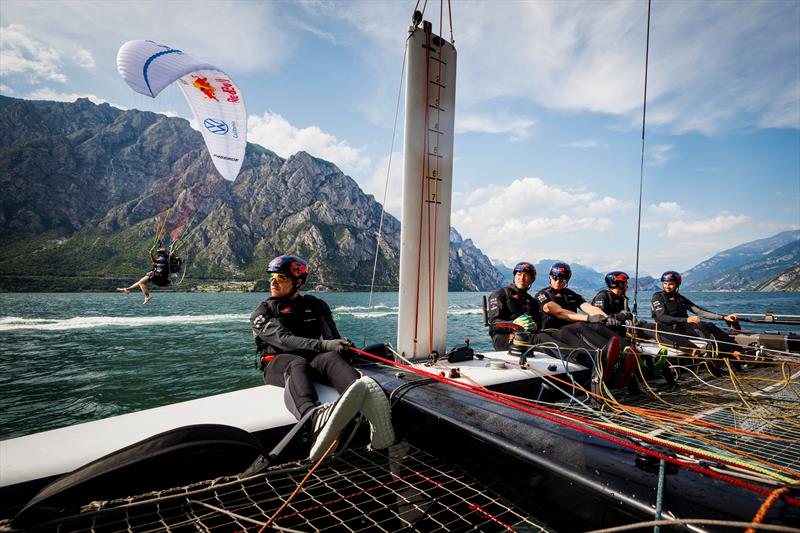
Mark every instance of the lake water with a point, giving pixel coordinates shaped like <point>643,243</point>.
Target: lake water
<point>69,358</point>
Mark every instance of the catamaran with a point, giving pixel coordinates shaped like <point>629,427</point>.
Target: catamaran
<point>485,441</point>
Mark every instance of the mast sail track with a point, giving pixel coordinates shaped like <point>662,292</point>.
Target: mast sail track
<point>427,189</point>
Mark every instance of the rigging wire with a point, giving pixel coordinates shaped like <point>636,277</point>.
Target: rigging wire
<point>386,189</point>
<point>641,167</point>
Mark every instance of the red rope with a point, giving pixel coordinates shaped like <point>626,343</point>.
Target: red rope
<point>501,399</point>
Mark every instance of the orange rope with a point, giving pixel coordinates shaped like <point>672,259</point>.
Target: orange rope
<point>450,12</point>
<point>672,418</point>
<point>765,507</point>
<point>299,486</point>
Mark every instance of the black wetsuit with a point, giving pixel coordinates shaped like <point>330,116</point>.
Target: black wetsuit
<point>612,304</point>
<point>671,311</point>
<point>583,334</point>
<point>287,333</point>
<point>509,303</point>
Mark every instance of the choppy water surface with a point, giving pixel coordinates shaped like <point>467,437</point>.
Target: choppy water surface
<point>69,358</point>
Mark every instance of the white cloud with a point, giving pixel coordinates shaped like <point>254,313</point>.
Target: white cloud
<point>274,132</point>
<point>6,89</point>
<point>532,219</point>
<point>658,154</point>
<point>711,67</point>
<point>588,143</point>
<point>83,58</point>
<point>517,127</point>
<point>719,224</point>
<point>240,36</point>
<point>377,186</point>
<point>21,53</point>
<point>658,215</point>
<point>605,206</point>
<point>50,94</point>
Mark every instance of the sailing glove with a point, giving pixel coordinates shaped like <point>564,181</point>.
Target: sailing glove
<point>622,316</point>
<point>525,322</point>
<point>595,319</point>
<point>335,345</point>
<point>612,322</point>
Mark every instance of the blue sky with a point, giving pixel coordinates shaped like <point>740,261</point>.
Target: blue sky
<point>548,120</point>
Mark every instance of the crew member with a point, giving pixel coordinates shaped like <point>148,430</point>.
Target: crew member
<point>560,306</point>
<point>614,303</point>
<point>515,306</point>
<point>675,326</point>
<point>297,338</point>
<point>166,266</point>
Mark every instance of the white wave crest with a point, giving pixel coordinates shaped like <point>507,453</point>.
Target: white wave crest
<point>374,314</point>
<point>348,308</point>
<point>462,312</point>
<point>11,323</point>
<point>450,312</point>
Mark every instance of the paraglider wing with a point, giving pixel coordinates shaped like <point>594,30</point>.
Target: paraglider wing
<point>216,102</point>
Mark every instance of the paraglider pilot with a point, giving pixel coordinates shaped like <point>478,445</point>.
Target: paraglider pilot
<point>166,266</point>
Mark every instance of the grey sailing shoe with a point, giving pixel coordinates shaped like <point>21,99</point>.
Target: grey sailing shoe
<point>377,410</point>
<point>330,419</point>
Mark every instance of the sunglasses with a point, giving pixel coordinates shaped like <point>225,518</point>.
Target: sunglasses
<point>278,278</point>
<point>560,278</point>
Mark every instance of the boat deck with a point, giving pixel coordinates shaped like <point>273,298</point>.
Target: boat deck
<point>749,419</point>
<point>402,489</point>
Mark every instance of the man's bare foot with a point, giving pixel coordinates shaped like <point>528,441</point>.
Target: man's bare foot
<point>146,299</point>
<point>124,289</point>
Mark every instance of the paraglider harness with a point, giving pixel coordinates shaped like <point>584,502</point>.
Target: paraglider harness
<point>166,266</point>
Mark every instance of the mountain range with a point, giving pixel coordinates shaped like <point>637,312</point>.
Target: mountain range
<point>764,264</point>
<point>87,189</point>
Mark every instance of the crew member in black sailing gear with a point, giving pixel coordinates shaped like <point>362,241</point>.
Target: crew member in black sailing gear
<point>675,326</point>
<point>614,303</point>
<point>591,330</point>
<point>514,305</point>
<point>297,338</point>
<point>166,266</point>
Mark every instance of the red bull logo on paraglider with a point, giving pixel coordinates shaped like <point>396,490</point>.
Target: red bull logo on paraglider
<point>230,89</point>
<point>205,87</point>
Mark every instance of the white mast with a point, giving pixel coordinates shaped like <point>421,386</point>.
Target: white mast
<point>427,188</point>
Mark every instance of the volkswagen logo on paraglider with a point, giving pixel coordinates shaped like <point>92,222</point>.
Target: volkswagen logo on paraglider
<point>217,127</point>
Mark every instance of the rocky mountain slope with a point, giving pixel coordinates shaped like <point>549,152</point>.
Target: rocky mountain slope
<point>775,268</point>
<point>86,187</point>
<point>723,265</point>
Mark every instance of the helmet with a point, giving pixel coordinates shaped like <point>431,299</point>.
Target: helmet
<point>291,265</point>
<point>616,279</point>
<point>525,267</point>
<point>671,275</point>
<point>560,270</point>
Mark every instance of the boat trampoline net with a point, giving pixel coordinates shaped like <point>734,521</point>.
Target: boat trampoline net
<point>400,489</point>
<point>747,418</point>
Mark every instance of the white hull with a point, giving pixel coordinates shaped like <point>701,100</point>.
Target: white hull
<point>58,451</point>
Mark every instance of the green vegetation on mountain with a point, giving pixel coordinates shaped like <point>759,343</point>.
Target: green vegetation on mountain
<point>86,186</point>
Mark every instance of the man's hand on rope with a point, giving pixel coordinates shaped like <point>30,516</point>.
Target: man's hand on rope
<point>335,345</point>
